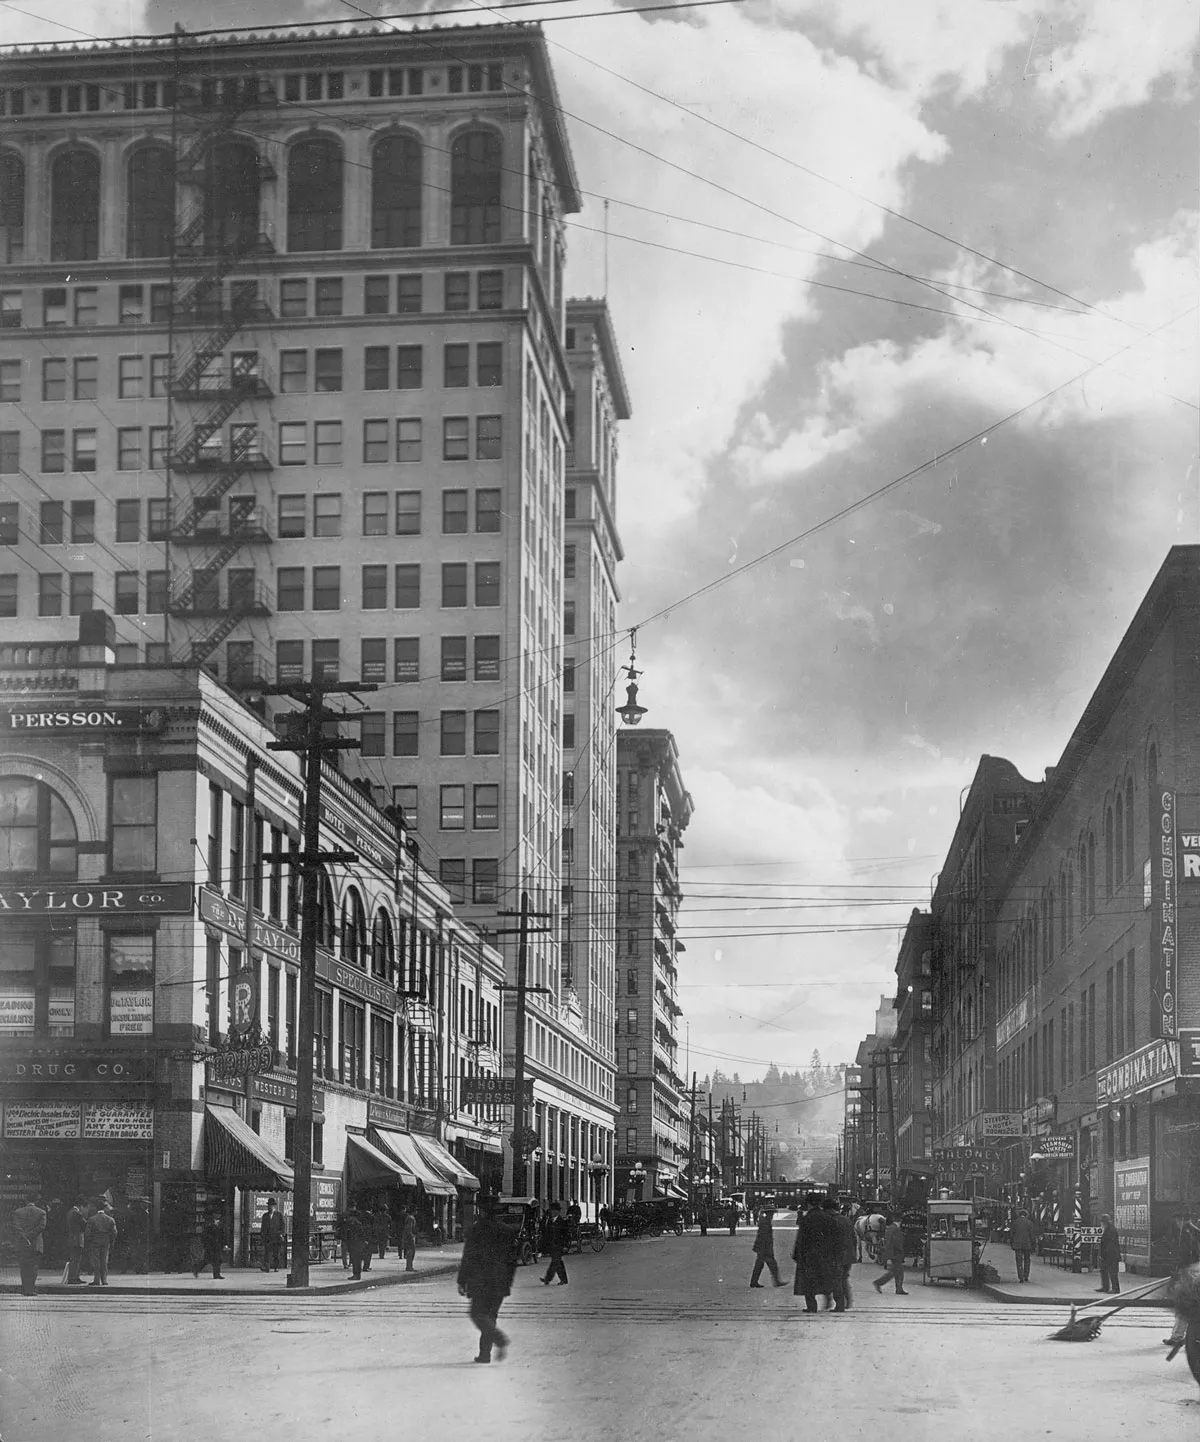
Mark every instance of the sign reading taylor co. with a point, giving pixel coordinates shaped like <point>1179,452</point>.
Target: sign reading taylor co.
<point>172,896</point>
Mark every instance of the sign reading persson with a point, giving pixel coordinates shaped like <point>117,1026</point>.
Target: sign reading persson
<point>78,719</point>
<point>497,1090</point>
<point>33,900</point>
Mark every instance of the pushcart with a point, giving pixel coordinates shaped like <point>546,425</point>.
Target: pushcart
<point>950,1247</point>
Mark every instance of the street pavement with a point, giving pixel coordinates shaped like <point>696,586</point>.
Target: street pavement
<point>653,1338</point>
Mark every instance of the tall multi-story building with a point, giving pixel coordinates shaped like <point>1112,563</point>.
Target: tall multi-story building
<point>653,811</point>
<point>264,297</point>
<point>912,1045</point>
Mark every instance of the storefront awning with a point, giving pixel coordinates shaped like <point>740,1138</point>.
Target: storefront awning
<point>446,1163</point>
<point>670,1189</point>
<point>233,1152</point>
<point>367,1166</point>
<point>401,1147</point>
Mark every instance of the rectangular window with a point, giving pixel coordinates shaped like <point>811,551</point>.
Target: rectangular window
<point>293,517</point>
<point>50,593</point>
<point>487,658</point>
<point>488,439</point>
<point>487,583</point>
<point>129,448</point>
<point>133,827</point>
<point>10,380</point>
<point>408,294</point>
<point>326,588</point>
<point>568,563</point>
<point>156,595</point>
<point>406,733</point>
<point>490,290</point>
<point>454,513</point>
<point>327,515</point>
<point>373,734</point>
<point>293,443</point>
<point>326,660</point>
<point>456,366</point>
<point>293,298</point>
<point>568,731</point>
<point>289,588</point>
<point>375,442</point>
<point>408,513</point>
<point>130,377</point>
<point>408,587</point>
<point>130,305</point>
<point>54,452</point>
<point>289,661</point>
<point>409,368</point>
<point>407,659</point>
<point>568,618</point>
<point>458,290</point>
<point>51,531</point>
<point>454,584</point>
<point>485,815</point>
<point>456,438</point>
<point>10,453</point>
<point>377,367</point>
<point>293,372</point>
<point>408,440</point>
<point>568,673</point>
<point>160,440</point>
<point>569,504</point>
<point>327,443</point>
<point>54,306</point>
<point>10,523</point>
<point>373,659</point>
<point>377,294</point>
<point>130,984</point>
<point>83,522</point>
<point>327,370</point>
<point>329,295</point>
<point>375,509</point>
<point>452,873</point>
<point>81,592</point>
<point>454,733</point>
<point>125,599</point>
<point>453,816</point>
<point>487,733</point>
<point>160,376</point>
<point>487,510</point>
<point>10,309</point>
<point>485,872</point>
<point>374,588</point>
<point>54,379</point>
<point>489,364</point>
<point>454,658</point>
<point>352,1033</point>
<point>85,370</point>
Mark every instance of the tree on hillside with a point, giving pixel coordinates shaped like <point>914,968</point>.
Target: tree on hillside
<point>816,1060</point>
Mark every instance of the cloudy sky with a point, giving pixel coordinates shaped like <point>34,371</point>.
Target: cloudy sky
<point>848,239</point>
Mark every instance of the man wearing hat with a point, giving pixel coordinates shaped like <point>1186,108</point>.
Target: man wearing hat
<point>764,1250</point>
<point>29,1222</point>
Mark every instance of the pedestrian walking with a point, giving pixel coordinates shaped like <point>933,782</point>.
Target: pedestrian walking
<point>1110,1256</point>
<point>764,1250</point>
<point>1021,1240</point>
<point>821,1241</point>
<point>383,1229</point>
<point>356,1241</point>
<point>605,1218</point>
<point>849,1253</point>
<point>702,1218</point>
<point>408,1241</point>
<point>556,1237</point>
<point>893,1257</point>
<point>77,1219</point>
<point>1186,1249</point>
<point>29,1224</point>
<point>212,1245</point>
<point>485,1275</point>
<point>731,1218</point>
<point>101,1237</point>
<point>273,1228</point>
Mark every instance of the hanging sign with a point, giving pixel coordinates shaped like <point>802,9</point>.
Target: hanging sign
<point>501,1090</point>
<point>243,1000</point>
<point>1148,1067</point>
<point>1189,1051</point>
<point>1163,920</point>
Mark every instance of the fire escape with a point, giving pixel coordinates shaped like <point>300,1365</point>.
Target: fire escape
<point>215,512</point>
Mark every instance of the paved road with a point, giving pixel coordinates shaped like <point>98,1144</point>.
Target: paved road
<point>657,1339</point>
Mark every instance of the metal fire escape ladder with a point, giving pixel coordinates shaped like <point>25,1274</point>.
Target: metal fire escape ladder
<point>202,378</point>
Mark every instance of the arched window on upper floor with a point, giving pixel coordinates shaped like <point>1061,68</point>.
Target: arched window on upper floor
<point>475,188</point>
<point>1108,853</point>
<point>326,913</point>
<point>1048,957</point>
<point>1069,901</point>
<point>1152,771</point>
<point>1062,914</point>
<point>383,947</point>
<point>314,212</point>
<point>231,196</point>
<point>1119,839</point>
<point>1129,826</point>
<point>396,192</point>
<point>75,206</point>
<point>1091,868</point>
<point>37,832</point>
<point>354,930</point>
<point>12,208</point>
<point>150,202</point>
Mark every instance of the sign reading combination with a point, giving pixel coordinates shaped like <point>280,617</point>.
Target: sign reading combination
<point>1149,1066</point>
<point>1163,949</point>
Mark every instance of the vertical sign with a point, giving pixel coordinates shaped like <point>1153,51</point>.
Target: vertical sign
<point>1131,1207</point>
<point>1163,916</point>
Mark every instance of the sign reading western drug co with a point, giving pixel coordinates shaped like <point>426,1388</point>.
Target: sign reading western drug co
<point>82,719</point>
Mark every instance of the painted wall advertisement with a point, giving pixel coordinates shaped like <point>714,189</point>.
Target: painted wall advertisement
<point>131,1013</point>
<point>37,1120</point>
<point>1163,918</point>
<point>1131,1208</point>
<point>69,1121</point>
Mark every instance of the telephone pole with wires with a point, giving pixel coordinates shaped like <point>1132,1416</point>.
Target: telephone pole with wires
<point>313,744</point>
<point>520,1132</point>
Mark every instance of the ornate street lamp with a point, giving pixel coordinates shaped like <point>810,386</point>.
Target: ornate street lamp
<point>598,1170</point>
<point>637,1178</point>
<point>631,713</point>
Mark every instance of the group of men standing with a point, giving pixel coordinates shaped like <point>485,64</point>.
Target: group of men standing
<point>91,1232</point>
<point>825,1249</point>
<point>365,1232</point>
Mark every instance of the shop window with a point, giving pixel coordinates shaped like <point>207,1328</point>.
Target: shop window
<point>130,978</point>
<point>37,834</point>
<point>133,823</point>
<point>37,983</point>
<point>352,1071</point>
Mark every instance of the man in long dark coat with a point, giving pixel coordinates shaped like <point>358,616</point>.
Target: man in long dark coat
<point>821,1243</point>
<point>764,1250</point>
<point>485,1275</point>
<point>849,1254</point>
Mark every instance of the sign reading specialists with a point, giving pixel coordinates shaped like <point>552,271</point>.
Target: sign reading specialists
<point>357,983</point>
<point>1163,949</point>
<point>1149,1066</point>
<point>83,719</point>
<point>170,897</point>
<point>1131,1209</point>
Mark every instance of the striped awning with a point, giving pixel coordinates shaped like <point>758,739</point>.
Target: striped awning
<point>446,1163</point>
<point>369,1167</point>
<point>402,1148</point>
<point>234,1152</point>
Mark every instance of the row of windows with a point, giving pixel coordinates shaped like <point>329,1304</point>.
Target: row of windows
<point>292,587</point>
<point>384,513</point>
<point>373,659</point>
<point>301,443</point>
<point>483,889</point>
<point>327,370</point>
<point>233,175</point>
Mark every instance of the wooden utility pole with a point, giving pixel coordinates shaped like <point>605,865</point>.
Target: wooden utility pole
<point>692,1150</point>
<point>522,989</point>
<point>312,747</point>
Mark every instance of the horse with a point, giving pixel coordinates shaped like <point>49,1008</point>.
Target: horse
<point>869,1228</point>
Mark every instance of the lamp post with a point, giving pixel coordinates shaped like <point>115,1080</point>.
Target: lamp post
<point>637,1179</point>
<point>598,1170</point>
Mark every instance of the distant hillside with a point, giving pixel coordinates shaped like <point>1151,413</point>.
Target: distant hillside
<point>801,1112</point>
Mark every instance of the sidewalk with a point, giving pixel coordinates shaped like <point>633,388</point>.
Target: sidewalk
<point>328,1278</point>
<point>1058,1286</point>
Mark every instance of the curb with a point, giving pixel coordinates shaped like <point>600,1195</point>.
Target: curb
<point>1001,1295</point>
<point>334,1289</point>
